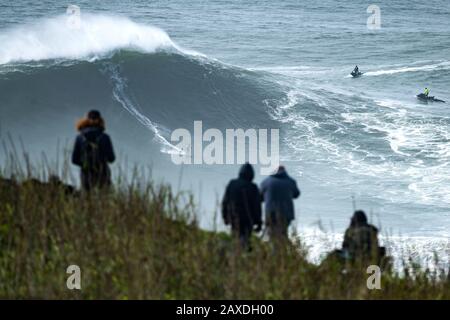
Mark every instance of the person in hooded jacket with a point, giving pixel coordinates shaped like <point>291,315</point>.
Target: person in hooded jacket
<point>278,192</point>
<point>93,151</point>
<point>241,205</point>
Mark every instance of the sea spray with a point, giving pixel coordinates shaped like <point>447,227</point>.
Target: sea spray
<point>97,36</point>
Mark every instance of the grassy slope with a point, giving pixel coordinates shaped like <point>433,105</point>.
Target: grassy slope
<point>145,244</point>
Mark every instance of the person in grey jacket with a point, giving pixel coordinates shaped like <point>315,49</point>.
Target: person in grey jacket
<point>278,192</point>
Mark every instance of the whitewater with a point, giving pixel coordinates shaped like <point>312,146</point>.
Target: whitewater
<point>96,36</point>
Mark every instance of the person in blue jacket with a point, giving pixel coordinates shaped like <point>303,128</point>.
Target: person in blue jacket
<point>93,151</point>
<point>278,192</point>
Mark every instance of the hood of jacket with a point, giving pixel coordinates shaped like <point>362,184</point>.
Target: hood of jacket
<point>246,172</point>
<point>85,123</point>
<point>359,219</point>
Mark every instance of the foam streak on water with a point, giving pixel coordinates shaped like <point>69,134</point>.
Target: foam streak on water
<point>119,93</point>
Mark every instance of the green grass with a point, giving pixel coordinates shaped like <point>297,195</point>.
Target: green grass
<point>141,241</point>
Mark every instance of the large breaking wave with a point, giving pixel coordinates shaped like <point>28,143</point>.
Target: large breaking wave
<point>130,65</point>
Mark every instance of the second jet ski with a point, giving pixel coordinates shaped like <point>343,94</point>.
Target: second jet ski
<point>426,98</point>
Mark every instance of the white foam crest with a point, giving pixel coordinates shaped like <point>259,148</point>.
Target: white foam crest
<point>95,36</point>
<point>392,104</point>
<point>429,67</point>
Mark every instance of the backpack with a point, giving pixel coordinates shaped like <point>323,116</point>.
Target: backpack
<point>90,153</point>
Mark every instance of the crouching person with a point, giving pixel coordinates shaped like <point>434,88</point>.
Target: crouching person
<point>241,206</point>
<point>360,247</point>
<point>93,151</point>
<point>361,239</point>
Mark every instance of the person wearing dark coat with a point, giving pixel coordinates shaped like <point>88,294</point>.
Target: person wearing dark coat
<point>93,151</point>
<point>361,238</point>
<point>241,205</point>
<point>278,192</point>
<point>360,246</point>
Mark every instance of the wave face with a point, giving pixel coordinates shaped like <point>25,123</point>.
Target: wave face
<point>160,91</point>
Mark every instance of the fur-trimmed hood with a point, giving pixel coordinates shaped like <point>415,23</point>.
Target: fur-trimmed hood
<point>89,123</point>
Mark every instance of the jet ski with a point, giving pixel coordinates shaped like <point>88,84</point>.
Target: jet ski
<point>426,98</point>
<point>356,74</point>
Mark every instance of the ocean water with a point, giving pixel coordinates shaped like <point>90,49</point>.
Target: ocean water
<point>152,67</point>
